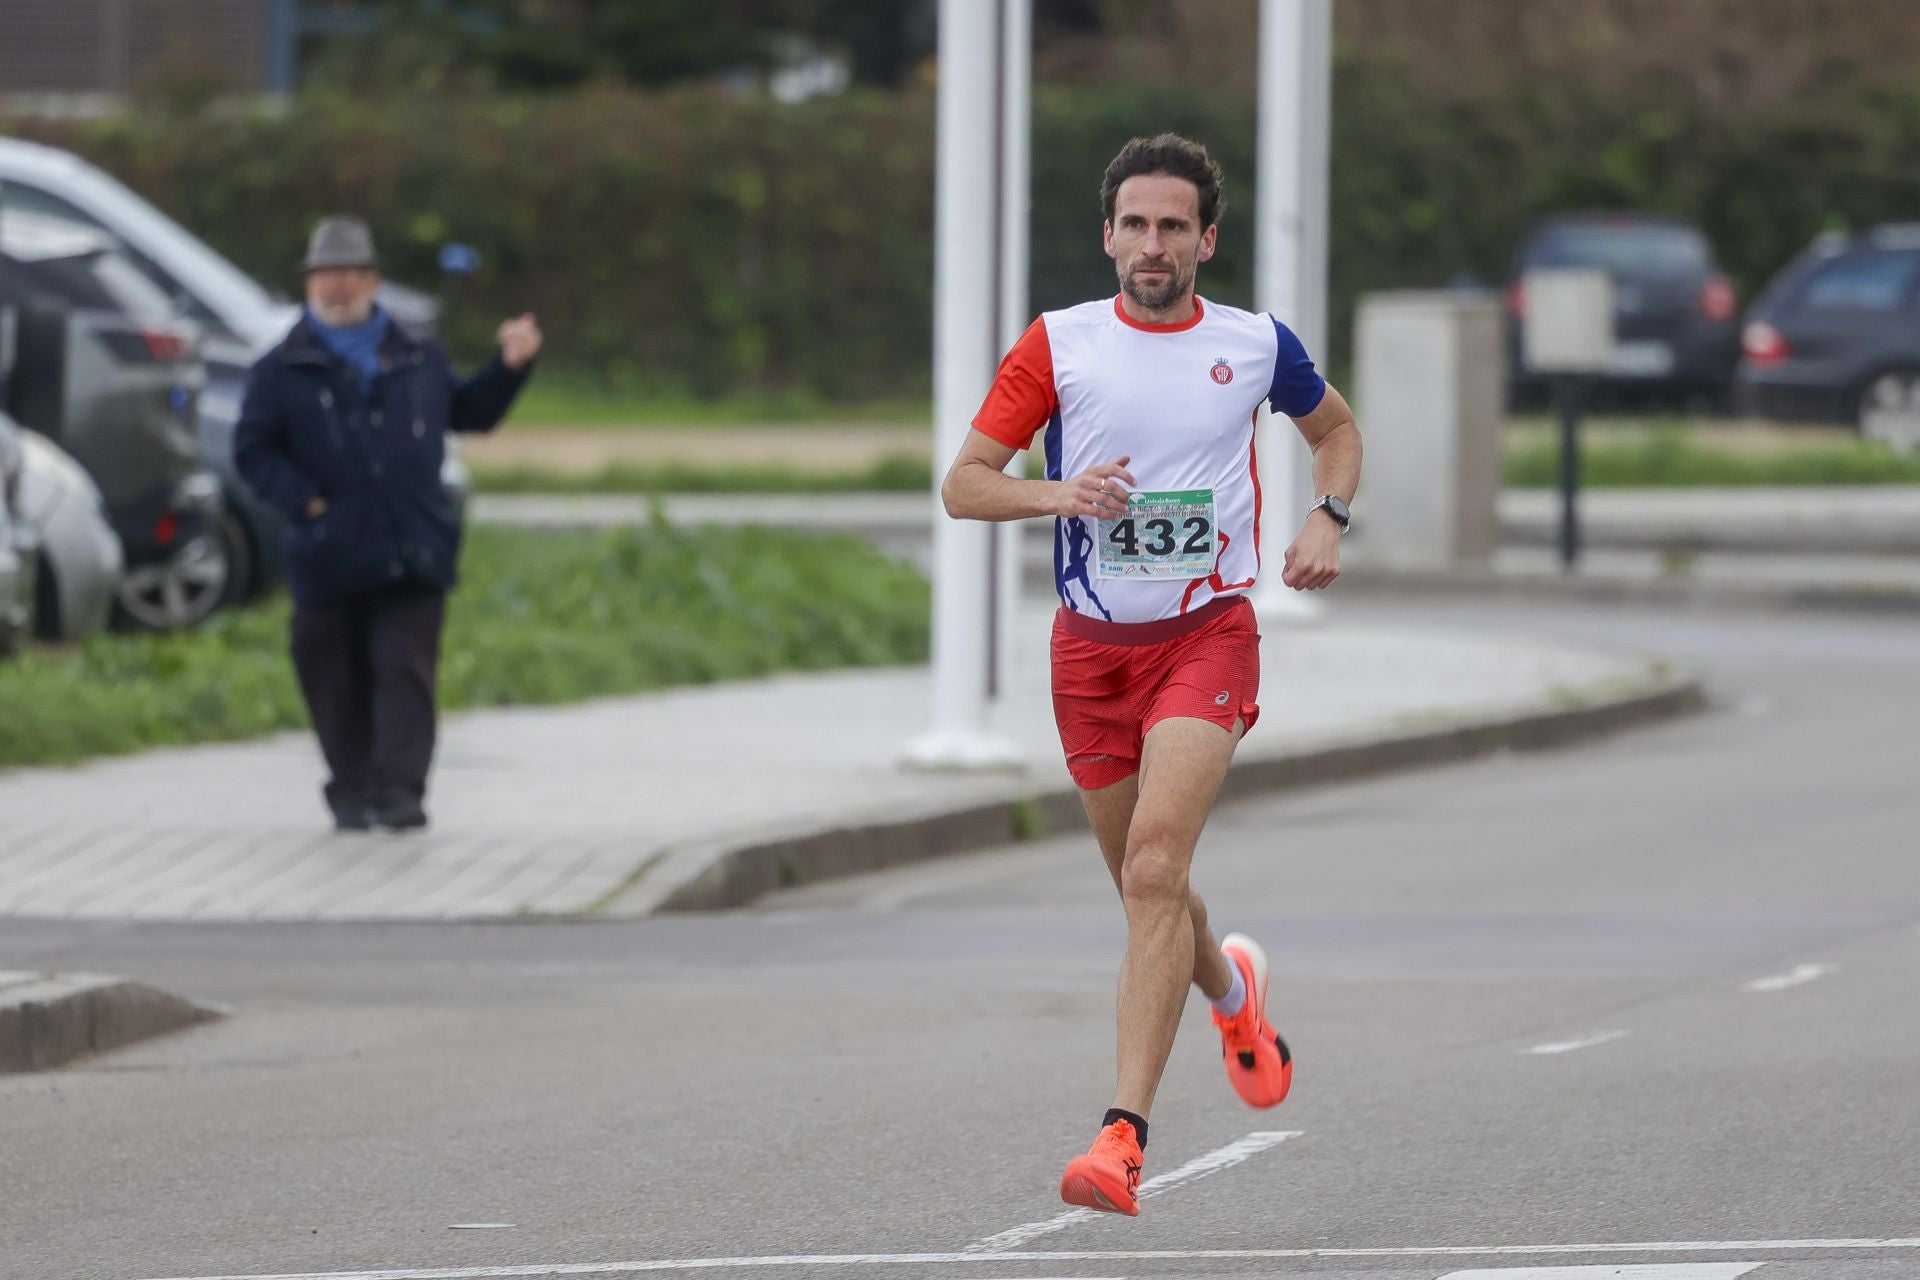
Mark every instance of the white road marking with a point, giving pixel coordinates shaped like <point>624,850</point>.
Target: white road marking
<point>480,1226</point>
<point>1198,1167</point>
<point>1568,1046</point>
<point>1659,1271</point>
<point>1798,975</point>
<point>1105,1255</point>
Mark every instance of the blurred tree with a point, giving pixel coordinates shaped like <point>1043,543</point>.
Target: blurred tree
<point>541,45</point>
<point>883,39</point>
<point>536,45</point>
<point>1728,56</point>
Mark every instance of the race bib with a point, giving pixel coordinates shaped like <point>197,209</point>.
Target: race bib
<point>1165,534</point>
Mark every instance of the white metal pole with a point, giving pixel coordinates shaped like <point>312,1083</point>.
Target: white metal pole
<point>1289,254</point>
<point>1016,128</point>
<point>1316,172</point>
<point>965,335</point>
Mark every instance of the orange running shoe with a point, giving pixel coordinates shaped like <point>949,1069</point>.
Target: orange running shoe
<point>1107,1178</point>
<point>1258,1063</point>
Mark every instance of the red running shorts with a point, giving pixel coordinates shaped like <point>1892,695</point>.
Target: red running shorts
<point>1113,681</point>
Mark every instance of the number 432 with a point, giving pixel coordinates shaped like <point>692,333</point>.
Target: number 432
<point>1160,539</point>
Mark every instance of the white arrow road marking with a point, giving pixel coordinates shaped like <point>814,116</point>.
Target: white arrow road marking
<point>1199,1167</point>
<point>1568,1046</point>
<point>1797,976</point>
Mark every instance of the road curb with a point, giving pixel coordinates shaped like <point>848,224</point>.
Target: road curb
<point>724,873</point>
<point>47,1020</point>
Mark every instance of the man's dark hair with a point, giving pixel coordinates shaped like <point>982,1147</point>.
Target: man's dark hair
<point>1170,155</point>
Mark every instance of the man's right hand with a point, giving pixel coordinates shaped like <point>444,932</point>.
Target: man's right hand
<point>1099,491</point>
<point>316,507</point>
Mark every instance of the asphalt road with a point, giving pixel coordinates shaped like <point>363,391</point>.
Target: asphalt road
<point>1657,991</point>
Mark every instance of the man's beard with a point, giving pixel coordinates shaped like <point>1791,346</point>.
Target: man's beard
<point>342,315</point>
<point>1157,297</point>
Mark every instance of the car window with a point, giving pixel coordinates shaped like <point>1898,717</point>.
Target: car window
<point>96,281</point>
<point>30,199</point>
<point>133,292</point>
<point>1628,251</point>
<point>1869,281</point>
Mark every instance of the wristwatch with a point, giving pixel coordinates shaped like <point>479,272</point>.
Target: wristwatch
<point>1335,507</point>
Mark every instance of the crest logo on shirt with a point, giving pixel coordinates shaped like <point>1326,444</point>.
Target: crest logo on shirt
<point>1222,371</point>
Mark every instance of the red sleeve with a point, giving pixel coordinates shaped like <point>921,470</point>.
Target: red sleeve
<point>1022,398</point>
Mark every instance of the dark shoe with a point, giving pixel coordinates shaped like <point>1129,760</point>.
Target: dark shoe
<point>349,816</point>
<point>399,815</point>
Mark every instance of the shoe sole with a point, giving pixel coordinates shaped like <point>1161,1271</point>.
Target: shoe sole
<point>1081,1190</point>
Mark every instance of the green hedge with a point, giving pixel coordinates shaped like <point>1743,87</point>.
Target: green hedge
<point>697,242</point>
<point>540,618</point>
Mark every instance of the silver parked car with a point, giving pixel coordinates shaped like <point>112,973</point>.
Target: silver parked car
<point>16,552</point>
<point>80,561</point>
<point>60,529</point>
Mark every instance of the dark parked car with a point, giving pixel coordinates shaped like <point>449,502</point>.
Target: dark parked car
<point>1835,337</point>
<point>104,368</point>
<point>1676,316</point>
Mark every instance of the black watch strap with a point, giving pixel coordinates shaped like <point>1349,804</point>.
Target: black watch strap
<point>1335,507</point>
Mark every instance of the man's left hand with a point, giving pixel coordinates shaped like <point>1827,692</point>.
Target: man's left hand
<point>1313,561</point>
<point>519,340</point>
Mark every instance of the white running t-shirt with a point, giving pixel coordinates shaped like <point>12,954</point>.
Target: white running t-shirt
<point>1181,401</point>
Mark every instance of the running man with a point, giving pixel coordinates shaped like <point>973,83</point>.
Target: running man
<point>1148,402</point>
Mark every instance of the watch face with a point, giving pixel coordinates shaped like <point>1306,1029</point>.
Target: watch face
<point>1338,509</point>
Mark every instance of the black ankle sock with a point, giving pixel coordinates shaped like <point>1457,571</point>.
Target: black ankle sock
<point>1139,1125</point>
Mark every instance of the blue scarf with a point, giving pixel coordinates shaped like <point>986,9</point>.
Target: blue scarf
<point>357,344</point>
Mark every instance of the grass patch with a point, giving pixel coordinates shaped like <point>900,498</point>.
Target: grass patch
<point>1029,819</point>
<point>557,398</point>
<point>1673,457</point>
<point>540,618</point>
<point>896,474</point>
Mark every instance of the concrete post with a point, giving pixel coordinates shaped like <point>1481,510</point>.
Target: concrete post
<point>1431,372</point>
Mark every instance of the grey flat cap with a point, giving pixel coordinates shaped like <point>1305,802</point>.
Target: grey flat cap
<point>339,241</point>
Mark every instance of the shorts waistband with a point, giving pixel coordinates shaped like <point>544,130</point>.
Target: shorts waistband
<point>1158,631</point>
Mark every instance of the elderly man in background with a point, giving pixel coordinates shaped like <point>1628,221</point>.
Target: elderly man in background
<point>343,431</point>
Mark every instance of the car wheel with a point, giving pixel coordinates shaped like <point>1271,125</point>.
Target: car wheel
<point>237,541</point>
<point>1888,409</point>
<point>181,591</point>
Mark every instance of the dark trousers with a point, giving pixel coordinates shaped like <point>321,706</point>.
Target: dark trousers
<point>367,667</point>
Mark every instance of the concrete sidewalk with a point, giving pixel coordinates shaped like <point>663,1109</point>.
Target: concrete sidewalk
<point>708,796</point>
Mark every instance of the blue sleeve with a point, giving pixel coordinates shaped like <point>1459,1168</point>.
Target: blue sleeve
<point>1297,387</point>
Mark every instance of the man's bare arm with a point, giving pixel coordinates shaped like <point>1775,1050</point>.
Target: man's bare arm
<point>1313,561</point>
<point>978,487</point>
<point>1334,437</point>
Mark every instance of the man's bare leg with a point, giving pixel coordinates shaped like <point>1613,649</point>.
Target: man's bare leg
<point>1182,766</point>
<point>1110,812</point>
